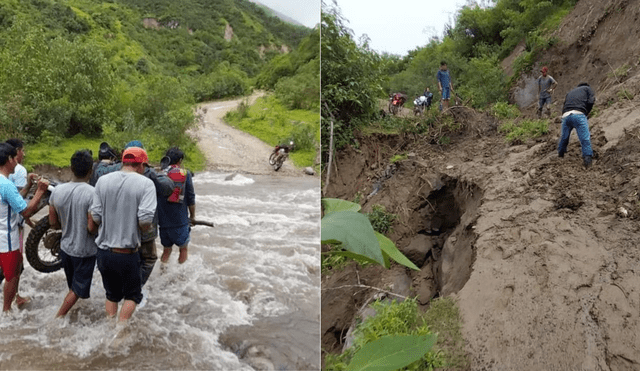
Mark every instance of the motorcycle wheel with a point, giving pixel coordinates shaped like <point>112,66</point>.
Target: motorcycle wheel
<point>278,163</point>
<point>43,247</point>
<point>390,107</point>
<point>272,158</point>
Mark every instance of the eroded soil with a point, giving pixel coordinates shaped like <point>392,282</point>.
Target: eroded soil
<point>540,254</point>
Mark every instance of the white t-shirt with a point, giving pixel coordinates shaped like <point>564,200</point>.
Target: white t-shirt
<point>19,176</point>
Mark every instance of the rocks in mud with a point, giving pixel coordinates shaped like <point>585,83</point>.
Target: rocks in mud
<point>418,249</point>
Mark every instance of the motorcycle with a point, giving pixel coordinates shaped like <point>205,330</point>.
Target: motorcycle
<point>420,103</point>
<point>279,155</point>
<point>42,247</point>
<point>396,101</point>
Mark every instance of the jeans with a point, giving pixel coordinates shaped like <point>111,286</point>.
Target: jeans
<point>544,101</point>
<point>578,122</point>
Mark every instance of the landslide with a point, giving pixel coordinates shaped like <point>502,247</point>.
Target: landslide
<point>540,254</point>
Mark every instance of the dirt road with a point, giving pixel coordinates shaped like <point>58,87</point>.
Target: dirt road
<point>229,149</point>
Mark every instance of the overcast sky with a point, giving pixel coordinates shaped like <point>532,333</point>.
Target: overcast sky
<point>306,12</point>
<point>398,26</point>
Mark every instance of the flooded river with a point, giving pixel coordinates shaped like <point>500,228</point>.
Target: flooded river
<point>247,298</point>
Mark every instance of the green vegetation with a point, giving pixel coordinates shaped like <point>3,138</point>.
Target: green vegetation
<point>443,318</point>
<point>131,68</point>
<point>354,78</point>
<point>380,219</point>
<point>343,226</point>
<point>398,320</point>
<point>520,132</point>
<point>57,152</point>
<point>273,123</point>
<point>505,110</point>
<point>398,157</point>
<point>625,94</point>
<point>620,73</point>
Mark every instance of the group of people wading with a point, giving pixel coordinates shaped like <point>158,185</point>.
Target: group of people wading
<point>109,215</point>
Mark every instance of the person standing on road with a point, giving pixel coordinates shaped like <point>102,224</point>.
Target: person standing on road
<point>177,211</point>
<point>546,84</point>
<point>577,106</point>
<point>68,209</point>
<point>12,205</point>
<point>444,84</point>
<point>123,207</point>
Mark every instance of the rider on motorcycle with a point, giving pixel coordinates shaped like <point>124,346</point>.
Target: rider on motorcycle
<point>285,147</point>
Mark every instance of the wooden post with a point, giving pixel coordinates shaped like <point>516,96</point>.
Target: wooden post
<point>326,182</point>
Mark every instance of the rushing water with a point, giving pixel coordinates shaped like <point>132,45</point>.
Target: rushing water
<point>247,297</point>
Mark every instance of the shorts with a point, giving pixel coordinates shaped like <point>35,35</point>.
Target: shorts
<point>120,275</point>
<point>178,236</point>
<point>446,93</point>
<point>10,262</point>
<point>79,272</point>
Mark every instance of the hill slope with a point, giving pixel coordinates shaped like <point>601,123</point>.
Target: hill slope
<point>537,251</point>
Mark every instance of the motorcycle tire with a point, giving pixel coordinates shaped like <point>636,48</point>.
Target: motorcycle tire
<point>278,163</point>
<point>43,247</point>
<point>272,158</point>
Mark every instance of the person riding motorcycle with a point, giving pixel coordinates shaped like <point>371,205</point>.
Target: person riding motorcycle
<point>281,149</point>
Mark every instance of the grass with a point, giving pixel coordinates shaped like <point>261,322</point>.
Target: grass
<point>443,318</point>
<point>269,121</point>
<point>58,151</point>
<point>524,130</point>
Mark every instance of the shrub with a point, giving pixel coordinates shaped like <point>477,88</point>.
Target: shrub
<point>505,110</point>
<point>380,219</point>
<point>526,129</point>
<point>390,319</point>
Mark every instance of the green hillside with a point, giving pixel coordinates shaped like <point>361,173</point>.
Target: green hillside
<point>102,68</point>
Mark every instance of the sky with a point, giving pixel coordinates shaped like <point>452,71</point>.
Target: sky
<point>306,12</point>
<point>398,26</point>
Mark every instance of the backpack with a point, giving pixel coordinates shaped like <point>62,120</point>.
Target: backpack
<point>179,177</point>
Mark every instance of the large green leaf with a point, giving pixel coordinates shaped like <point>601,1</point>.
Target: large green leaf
<point>354,231</point>
<point>389,248</point>
<point>334,204</point>
<point>355,256</point>
<point>391,352</point>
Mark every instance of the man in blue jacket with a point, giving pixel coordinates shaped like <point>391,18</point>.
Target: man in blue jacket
<point>577,105</point>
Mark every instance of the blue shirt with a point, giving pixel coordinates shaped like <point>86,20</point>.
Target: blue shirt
<point>171,214</point>
<point>11,204</point>
<point>444,78</point>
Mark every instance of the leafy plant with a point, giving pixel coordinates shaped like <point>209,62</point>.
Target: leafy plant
<point>380,219</point>
<point>524,130</point>
<point>395,337</point>
<point>343,225</point>
<point>505,110</point>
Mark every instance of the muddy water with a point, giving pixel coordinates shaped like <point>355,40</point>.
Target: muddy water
<point>247,298</point>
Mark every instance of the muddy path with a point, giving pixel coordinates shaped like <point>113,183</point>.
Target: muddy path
<point>229,149</point>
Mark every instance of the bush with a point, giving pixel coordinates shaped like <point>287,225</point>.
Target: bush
<point>390,319</point>
<point>505,110</point>
<point>526,129</point>
<point>380,219</point>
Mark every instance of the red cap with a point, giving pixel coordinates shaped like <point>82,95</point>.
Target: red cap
<point>545,69</point>
<point>135,155</point>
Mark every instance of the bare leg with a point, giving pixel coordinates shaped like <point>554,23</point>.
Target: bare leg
<point>10,290</point>
<point>112,308</point>
<point>67,303</point>
<point>183,254</point>
<point>165,254</point>
<point>128,308</point>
